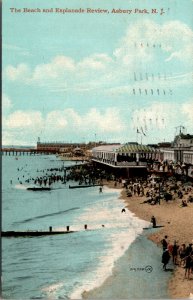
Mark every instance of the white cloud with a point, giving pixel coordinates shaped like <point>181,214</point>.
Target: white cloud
<point>100,71</point>
<point>56,120</point>
<point>109,121</point>
<point>19,73</point>
<point>155,120</point>
<point>156,115</point>
<point>23,120</point>
<point>178,40</point>
<point>134,50</point>
<point>95,62</point>
<point>10,138</point>
<point>159,118</point>
<point>58,67</point>
<point>21,125</point>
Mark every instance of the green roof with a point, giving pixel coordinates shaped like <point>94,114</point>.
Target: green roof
<point>135,148</point>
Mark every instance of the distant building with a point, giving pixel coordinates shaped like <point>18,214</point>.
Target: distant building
<point>61,147</point>
<point>181,149</point>
<point>78,152</point>
<point>134,159</point>
<point>183,140</point>
<point>57,147</point>
<point>180,154</point>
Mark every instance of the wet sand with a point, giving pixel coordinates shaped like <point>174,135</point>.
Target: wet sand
<point>178,225</point>
<point>136,275</point>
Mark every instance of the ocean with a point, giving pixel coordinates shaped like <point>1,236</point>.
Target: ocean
<point>60,266</point>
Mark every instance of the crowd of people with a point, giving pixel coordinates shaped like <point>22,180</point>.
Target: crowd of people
<point>181,255</point>
<point>156,188</point>
<point>81,174</point>
<point>161,190</point>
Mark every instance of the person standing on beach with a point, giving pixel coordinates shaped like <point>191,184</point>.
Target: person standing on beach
<point>182,254</point>
<point>164,243</point>
<point>175,252</point>
<point>153,221</point>
<point>188,249</point>
<point>165,258</point>
<point>188,264</point>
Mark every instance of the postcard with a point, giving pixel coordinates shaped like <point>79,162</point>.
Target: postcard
<point>97,149</point>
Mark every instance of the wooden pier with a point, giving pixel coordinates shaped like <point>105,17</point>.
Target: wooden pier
<point>36,233</point>
<point>26,151</point>
<point>83,186</point>
<point>32,233</point>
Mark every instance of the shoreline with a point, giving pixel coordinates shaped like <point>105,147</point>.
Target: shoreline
<point>177,222</point>
<point>130,272</point>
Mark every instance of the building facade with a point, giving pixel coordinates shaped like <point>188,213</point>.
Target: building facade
<point>180,154</point>
<point>130,159</point>
<point>181,150</point>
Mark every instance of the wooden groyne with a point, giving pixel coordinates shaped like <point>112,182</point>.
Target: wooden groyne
<point>82,186</point>
<point>35,233</point>
<point>38,189</point>
<point>32,233</point>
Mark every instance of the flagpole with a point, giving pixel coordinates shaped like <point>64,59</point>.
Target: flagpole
<point>137,136</point>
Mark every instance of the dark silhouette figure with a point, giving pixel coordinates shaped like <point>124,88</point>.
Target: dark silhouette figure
<point>153,221</point>
<point>175,252</point>
<point>165,258</point>
<point>164,243</point>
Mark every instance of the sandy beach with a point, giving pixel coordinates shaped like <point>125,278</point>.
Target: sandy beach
<point>177,224</point>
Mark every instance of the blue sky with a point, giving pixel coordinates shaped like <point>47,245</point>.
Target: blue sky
<point>79,77</point>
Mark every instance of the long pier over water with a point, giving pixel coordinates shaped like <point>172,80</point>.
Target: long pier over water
<point>26,151</point>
